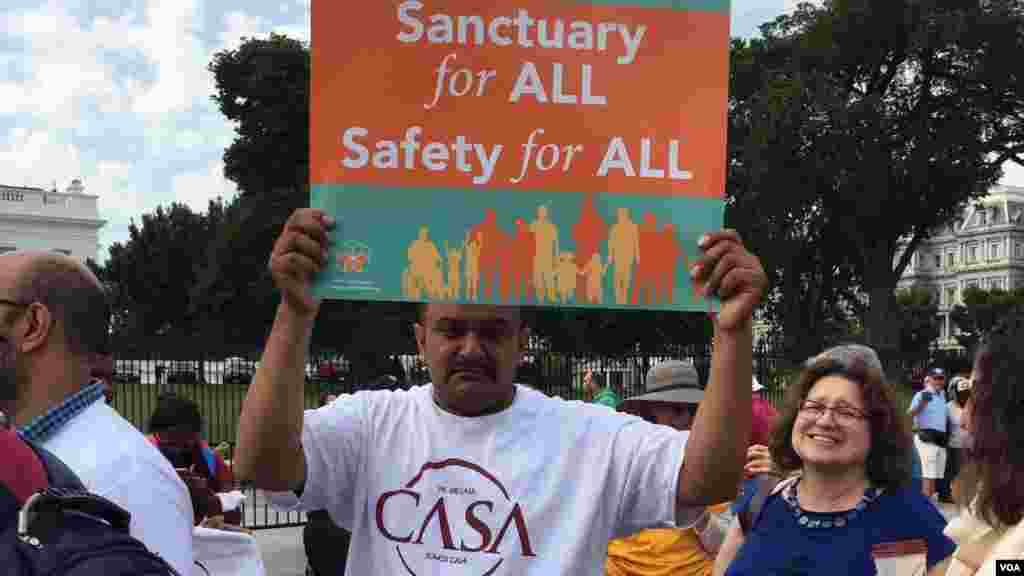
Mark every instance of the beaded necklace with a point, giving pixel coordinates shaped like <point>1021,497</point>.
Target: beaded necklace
<point>839,519</point>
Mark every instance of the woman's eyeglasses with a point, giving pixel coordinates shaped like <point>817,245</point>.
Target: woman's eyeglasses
<point>843,414</point>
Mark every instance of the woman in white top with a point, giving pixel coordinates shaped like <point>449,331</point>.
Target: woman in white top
<point>959,439</point>
<point>992,529</point>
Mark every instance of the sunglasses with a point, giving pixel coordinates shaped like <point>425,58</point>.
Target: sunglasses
<point>847,355</point>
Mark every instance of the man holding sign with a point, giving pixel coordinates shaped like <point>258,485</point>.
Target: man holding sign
<point>474,474</point>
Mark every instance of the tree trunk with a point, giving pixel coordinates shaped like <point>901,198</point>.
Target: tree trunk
<point>881,326</point>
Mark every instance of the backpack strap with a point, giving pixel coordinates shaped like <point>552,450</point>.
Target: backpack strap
<point>57,472</point>
<point>41,512</point>
<point>767,484</point>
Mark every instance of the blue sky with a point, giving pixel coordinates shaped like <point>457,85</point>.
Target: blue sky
<point>116,92</point>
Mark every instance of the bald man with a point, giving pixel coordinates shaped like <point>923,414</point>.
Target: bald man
<point>53,328</point>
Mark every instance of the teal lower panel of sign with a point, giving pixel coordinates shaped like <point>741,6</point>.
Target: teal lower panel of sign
<point>585,250</point>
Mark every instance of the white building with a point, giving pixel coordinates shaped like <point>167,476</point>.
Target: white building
<point>36,219</point>
<point>983,248</point>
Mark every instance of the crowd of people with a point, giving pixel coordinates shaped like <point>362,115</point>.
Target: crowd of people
<point>475,473</point>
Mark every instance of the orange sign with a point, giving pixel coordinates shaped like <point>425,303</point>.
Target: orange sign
<point>554,96</point>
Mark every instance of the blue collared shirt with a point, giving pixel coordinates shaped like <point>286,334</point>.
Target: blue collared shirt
<point>41,428</point>
<point>934,414</point>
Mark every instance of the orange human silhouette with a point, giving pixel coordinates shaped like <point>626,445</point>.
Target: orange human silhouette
<point>566,277</point>
<point>595,279</point>
<point>453,288</point>
<point>646,271</point>
<point>472,248</point>
<point>506,267</point>
<point>522,256</point>
<point>410,288</point>
<point>344,262</point>
<point>546,256</point>
<point>623,251</point>
<point>589,233</point>
<point>492,241</point>
<point>671,252</point>
<point>425,264</point>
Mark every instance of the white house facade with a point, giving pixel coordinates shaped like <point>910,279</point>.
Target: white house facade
<point>983,248</point>
<point>36,219</point>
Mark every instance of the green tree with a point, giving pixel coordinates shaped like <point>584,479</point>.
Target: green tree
<point>863,122</point>
<point>150,277</point>
<point>982,311</point>
<point>918,320</point>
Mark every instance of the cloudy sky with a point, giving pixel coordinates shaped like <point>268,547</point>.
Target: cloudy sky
<point>116,92</point>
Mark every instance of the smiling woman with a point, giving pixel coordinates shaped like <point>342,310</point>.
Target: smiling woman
<point>847,504</point>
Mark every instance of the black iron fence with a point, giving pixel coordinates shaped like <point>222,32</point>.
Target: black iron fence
<point>219,387</point>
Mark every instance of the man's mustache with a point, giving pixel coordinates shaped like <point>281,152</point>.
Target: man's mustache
<point>478,367</point>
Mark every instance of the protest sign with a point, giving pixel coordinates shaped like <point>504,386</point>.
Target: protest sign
<point>565,153</point>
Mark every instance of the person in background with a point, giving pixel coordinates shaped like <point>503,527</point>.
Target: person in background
<point>762,422</point>
<point>174,428</point>
<point>959,439</point>
<point>931,419</point>
<point>992,528</point>
<point>596,393</point>
<point>841,430</point>
<point>672,393</point>
<point>54,320</point>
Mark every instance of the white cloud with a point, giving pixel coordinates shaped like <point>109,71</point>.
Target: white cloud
<point>197,188</point>
<point>61,59</point>
<point>172,42</point>
<point>236,25</point>
<point>1013,174</point>
<point>26,152</point>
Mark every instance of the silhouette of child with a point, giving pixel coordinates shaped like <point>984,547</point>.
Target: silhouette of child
<point>453,289</point>
<point>595,279</point>
<point>566,277</point>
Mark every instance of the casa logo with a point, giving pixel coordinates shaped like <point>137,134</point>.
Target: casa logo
<point>454,517</point>
<point>353,256</point>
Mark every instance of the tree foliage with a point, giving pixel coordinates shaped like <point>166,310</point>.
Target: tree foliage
<point>150,277</point>
<point>982,311</point>
<point>919,321</point>
<point>860,123</point>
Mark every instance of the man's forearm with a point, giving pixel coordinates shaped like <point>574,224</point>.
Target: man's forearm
<point>716,449</point>
<point>269,451</point>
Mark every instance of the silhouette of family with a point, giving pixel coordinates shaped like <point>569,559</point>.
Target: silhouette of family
<point>527,263</point>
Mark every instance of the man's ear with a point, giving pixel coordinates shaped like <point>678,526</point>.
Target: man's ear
<point>421,334</point>
<point>38,328</point>
<point>524,339</point>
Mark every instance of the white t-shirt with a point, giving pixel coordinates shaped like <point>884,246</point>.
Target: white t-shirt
<point>114,460</point>
<point>537,489</point>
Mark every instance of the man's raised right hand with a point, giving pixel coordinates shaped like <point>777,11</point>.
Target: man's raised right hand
<point>299,253</point>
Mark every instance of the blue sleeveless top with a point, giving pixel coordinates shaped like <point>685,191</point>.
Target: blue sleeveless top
<point>778,545</point>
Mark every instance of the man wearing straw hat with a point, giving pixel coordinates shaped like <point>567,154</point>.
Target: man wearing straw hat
<point>672,393</point>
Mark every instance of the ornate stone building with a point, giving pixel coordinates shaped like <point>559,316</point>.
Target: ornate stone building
<point>983,248</point>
